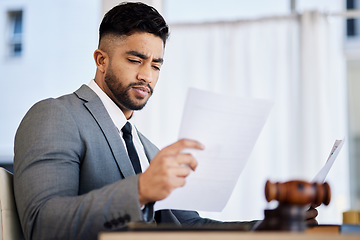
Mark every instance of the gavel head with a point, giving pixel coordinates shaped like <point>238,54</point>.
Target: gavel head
<point>298,192</point>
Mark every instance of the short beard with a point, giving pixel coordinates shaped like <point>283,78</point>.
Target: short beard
<point>121,93</point>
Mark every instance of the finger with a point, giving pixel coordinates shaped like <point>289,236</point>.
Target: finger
<point>186,159</point>
<point>180,172</point>
<point>178,182</point>
<point>180,145</point>
<point>311,222</point>
<point>181,160</point>
<point>312,213</point>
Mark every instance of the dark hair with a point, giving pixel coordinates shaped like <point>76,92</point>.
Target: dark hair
<point>129,18</point>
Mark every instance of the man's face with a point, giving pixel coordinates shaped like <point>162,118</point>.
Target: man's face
<point>133,70</point>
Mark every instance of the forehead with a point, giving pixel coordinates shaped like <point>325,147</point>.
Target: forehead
<point>145,43</point>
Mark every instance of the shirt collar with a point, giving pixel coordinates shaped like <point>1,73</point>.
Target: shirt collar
<point>114,111</point>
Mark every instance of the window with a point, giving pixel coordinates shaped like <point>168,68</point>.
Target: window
<point>351,23</point>
<point>352,50</point>
<point>15,36</point>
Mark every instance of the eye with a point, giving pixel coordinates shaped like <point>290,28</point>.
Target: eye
<point>157,68</point>
<point>134,61</point>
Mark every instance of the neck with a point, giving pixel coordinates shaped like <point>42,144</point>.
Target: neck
<point>128,114</point>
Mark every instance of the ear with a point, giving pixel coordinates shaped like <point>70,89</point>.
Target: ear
<point>101,60</point>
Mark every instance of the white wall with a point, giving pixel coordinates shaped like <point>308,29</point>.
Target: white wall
<point>59,40</point>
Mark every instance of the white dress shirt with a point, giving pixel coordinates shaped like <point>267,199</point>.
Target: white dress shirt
<point>119,119</point>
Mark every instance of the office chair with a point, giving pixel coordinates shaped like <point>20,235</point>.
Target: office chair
<point>10,228</point>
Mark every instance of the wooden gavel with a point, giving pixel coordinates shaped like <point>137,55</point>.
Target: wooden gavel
<point>298,192</point>
<point>292,196</point>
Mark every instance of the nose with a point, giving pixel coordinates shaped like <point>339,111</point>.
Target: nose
<point>145,74</point>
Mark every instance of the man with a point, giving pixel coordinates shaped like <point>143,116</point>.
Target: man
<point>73,171</point>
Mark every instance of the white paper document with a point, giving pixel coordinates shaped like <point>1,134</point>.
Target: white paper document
<point>228,127</point>
<point>320,177</point>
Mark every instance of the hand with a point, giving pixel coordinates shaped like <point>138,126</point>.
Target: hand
<point>167,171</point>
<point>310,216</point>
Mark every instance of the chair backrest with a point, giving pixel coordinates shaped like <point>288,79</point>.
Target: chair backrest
<point>10,228</point>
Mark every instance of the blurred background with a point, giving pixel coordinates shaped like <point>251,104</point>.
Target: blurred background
<point>303,55</point>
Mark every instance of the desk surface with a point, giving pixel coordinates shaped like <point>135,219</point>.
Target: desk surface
<point>224,235</point>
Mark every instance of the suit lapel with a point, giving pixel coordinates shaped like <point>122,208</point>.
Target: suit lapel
<point>150,149</point>
<point>98,111</point>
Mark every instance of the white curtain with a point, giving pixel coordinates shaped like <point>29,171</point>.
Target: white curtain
<point>296,62</point>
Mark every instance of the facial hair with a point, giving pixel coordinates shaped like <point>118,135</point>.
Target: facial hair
<point>121,92</point>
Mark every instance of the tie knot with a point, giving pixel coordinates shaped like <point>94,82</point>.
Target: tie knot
<point>126,128</point>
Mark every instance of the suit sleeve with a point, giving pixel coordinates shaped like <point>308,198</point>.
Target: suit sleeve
<point>48,151</point>
<point>193,219</point>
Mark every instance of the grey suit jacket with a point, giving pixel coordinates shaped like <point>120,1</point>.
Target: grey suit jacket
<point>72,175</point>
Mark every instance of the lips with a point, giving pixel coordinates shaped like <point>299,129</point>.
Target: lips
<point>140,88</point>
<point>141,91</point>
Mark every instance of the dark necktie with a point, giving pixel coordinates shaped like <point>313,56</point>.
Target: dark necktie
<point>130,147</point>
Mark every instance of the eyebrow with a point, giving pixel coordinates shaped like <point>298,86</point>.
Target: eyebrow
<point>143,56</point>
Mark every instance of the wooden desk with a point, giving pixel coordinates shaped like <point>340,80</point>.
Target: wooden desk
<point>223,235</point>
